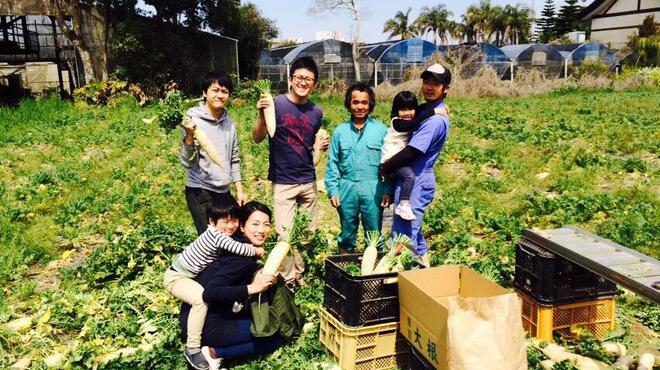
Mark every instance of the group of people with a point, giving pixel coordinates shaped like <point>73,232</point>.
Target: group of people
<point>369,167</point>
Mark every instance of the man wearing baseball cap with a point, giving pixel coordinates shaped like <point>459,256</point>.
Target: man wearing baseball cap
<point>421,152</point>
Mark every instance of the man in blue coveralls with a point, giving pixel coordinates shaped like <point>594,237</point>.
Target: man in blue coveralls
<point>351,174</point>
<point>420,153</point>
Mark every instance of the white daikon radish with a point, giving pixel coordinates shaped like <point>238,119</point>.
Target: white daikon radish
<point>547,364</point>
<point>276,257</point>
<point>21,364</point>
<point>370,252</point>
<point>269,112</point>
<point>204,142</point>
<point>391,261</point>
<point>321,135</point>
<point>614,349</point>
<point>623,363</point>
<point>54,361</point>
<point>646,361</point>
<point>19,325</point>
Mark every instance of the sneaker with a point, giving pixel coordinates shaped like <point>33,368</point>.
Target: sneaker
<point>404,211</point>
<point>214,363</point>
<point>424,261</point>
<point>195,358</point>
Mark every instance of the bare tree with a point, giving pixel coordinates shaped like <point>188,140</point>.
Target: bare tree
<point>328,6</point>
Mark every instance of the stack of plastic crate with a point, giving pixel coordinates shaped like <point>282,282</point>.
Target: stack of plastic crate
<point>558,294</point>
<point>360,317</point>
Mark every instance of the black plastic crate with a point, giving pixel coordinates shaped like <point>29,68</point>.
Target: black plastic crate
<point>359,300</point>
<point>417,360</point>
<point>551,279</point>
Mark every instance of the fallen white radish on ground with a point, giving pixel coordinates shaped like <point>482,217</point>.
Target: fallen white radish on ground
<point>623,363</point>
<point>204,142</point>
<point>646,361</point>
<point>269,112</point>
<point>614,349</point>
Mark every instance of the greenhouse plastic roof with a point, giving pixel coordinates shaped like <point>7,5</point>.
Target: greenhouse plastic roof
<point>512,51</point>
<point>524,52</point>
<point>587,51</point>
<point>318,49</point>
<point>413,50</point>
<point>328,46</point>
<point>491,52</point>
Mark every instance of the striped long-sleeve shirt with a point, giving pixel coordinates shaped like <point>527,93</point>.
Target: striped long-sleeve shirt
<point>205,249</point>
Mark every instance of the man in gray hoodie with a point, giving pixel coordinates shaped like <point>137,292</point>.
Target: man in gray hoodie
<point>205,179</point>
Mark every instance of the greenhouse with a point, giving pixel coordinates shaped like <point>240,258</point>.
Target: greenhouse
<point>543,58</point>
<point>391,59</point>
<point>334,59</point>
<point>476,56</point>
<point>595,52</point>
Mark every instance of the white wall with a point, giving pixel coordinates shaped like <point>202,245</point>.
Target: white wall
<point>623,6</point>
<point>618,38</point>
<point>40,76</point>
<point>647,4</point>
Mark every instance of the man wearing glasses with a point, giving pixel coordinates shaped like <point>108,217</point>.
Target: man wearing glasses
<point>291,167</point>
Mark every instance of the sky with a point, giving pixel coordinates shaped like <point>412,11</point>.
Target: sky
<point>292,19</point>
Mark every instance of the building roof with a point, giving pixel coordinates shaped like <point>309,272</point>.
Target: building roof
<point>597,7</point>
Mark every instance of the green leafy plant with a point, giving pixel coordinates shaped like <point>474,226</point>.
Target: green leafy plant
<point>353,269</point>
<point>170,110</point>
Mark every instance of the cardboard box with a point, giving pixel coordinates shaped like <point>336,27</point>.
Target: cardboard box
<point>423,297</point>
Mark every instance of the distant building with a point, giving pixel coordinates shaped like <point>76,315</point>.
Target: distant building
<point>286,42</point>
<point>577,37</point>
<point>613,21</point>
<point>325,35</point>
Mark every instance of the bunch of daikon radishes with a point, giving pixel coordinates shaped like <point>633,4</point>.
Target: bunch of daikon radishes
<point>398,258</point>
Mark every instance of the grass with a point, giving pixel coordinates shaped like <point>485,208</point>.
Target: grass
<point>94,197</point>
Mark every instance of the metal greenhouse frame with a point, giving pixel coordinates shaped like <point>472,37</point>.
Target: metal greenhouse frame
<point>389,60</point>
<point>481,54</point>
<point>333,57</point>
<point>541,57</point>
<point>29,45</point>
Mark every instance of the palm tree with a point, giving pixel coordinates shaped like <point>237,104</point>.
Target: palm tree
<point>497,24</point>
<point>476,20</point>
<point>399,25</point>
<point>468,26</point>
<point>459,31</point>
<point>436,20</point>
<point>519,23</point>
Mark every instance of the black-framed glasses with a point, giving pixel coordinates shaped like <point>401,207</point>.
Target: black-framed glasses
<point>307,80</point>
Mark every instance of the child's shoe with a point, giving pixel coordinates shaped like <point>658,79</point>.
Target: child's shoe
<point>196,359</point>
<point>404,211</point>
<point>214,363</point>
